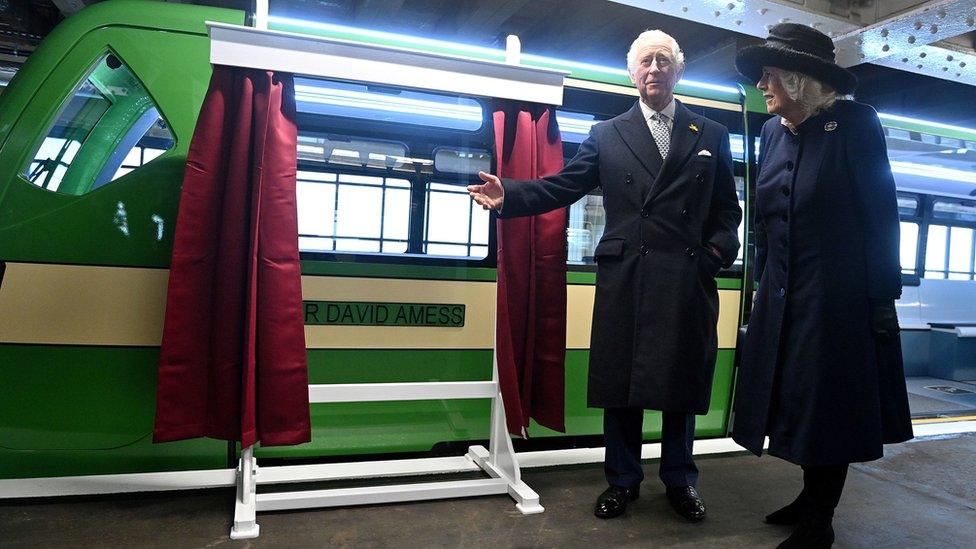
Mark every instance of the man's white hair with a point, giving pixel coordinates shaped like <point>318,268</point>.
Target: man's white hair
<point>812,94</point>
<point>653,37</point>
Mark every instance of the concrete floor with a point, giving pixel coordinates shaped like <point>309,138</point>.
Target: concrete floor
<point>922,494</point>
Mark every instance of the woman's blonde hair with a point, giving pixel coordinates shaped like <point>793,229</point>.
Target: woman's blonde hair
<point>812,94</point>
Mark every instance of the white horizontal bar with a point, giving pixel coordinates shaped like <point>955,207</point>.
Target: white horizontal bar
<point>305,54</point>
<point>371,392</point>
<point>217,478</point>
<point>381,494</point>
<point>365,469</point>
<point>116,484</point>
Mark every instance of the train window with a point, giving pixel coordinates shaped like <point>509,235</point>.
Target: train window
<point>960,253</point>
<point>907,205</point>
<point>949,253</point>
<point>384,171</point>
<point>107,128</point>
<point>574,127</point>
<point>586,223</point>
<point>361,101</point>
<point>355,213</point>
<point>461,161</point>
<point>740,190</point>
<point>354,152</point>
<point>456,226</point>
<point>6,74</point>
<point>956,210</point>
<point>738,145</point>
<point>908,251</point>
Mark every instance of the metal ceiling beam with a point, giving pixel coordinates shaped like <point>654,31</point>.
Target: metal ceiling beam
<point>921,55</point>
<point>899,35</point>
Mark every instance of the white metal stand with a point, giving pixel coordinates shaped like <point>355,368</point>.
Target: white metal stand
<point>499,461</point>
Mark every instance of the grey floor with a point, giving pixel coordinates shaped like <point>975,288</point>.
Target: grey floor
<point>922,494</point>
<point>930,396</point>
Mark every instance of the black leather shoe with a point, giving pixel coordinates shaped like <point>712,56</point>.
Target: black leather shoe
<point>687,502</point>
<point>791,514</point>
<point>613,501</point>
<point>812,533</point>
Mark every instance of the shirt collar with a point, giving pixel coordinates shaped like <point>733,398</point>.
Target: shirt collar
<point>792,129</point>
<point>648,112</point>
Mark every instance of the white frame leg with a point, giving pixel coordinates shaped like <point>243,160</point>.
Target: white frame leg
<point>245,504</point>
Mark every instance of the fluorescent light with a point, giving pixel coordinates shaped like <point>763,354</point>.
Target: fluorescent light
<point>331,27</point>
<point>707,86</point>
<point>574,125</point>
<point>898,118</point>
<point>936,172</point>
<point>388,103</point>
<point>479,50</point>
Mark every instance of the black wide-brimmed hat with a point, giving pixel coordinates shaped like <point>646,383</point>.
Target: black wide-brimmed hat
<point>799,48</point>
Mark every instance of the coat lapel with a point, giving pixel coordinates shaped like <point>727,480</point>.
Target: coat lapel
<point>685,134</point>
<point>634,131</point>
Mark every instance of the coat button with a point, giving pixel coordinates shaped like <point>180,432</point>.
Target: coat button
<point>629,179</point>
<point>789,166</point>
<point>782,292</point>
<point>690,251</point>
<point>643,250</point>
<point>684,213</point>
<point>700,178</point>
<point>645,213</point>
<point>785,190</point>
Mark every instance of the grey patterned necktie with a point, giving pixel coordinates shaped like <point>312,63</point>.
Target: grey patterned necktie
<point>661,133</point>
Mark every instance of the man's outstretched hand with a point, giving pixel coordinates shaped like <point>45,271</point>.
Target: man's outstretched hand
<point>491,195</point>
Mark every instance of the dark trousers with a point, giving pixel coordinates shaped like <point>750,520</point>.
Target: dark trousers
<point>622,429</point>
<point>823,486</point>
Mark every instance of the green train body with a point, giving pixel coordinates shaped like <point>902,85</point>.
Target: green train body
<point>86,258</point>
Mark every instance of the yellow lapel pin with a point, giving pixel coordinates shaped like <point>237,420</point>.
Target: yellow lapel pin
<point>693,127</point>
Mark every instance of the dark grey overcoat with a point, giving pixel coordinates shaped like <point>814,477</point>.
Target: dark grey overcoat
<point>653,341</point>
<point>812,377</point>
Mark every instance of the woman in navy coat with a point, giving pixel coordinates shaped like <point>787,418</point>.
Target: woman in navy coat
<point>821,372</point>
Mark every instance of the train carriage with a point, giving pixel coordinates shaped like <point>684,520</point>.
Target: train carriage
<point>94,131</point>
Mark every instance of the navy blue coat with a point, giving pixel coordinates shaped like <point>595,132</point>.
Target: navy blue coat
<point>653,341</point>
<point>812,377</point>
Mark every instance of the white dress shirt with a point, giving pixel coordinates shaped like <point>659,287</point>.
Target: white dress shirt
<point>667,112</point>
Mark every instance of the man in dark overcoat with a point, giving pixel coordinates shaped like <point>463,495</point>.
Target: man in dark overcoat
<point>672,218</point>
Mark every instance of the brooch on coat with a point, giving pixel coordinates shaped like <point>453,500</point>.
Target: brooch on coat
<point>830,126</point>
<point>693,127</point>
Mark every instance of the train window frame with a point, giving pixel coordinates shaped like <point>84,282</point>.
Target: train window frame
<point>915,217</point>
<point>110,167</point>
<point>430,139</point>
<point>437,149</point>
<point>945,250</point>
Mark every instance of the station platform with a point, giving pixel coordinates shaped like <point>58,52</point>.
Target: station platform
<point>921,494</point>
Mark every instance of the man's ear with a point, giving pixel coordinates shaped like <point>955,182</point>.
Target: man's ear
<point>633,77</point>
<point>680,72</point>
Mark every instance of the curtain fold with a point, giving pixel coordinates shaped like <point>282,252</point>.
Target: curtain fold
<point>233,360</point>
<point>531,300</point>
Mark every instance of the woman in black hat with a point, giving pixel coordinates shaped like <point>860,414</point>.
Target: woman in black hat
<point>821,370</point>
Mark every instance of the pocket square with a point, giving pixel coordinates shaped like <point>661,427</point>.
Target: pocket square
<point>704,152</point>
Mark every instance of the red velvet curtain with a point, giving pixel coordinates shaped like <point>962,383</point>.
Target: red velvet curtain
<point>531,318</point>
<point>233,363</point>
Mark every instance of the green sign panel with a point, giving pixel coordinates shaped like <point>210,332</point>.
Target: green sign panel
<point>364,313</point>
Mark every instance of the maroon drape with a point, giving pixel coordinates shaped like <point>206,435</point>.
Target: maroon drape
<point>233,363</point>
<point>531,319</point>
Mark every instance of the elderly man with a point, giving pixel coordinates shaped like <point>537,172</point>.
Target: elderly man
<point>672,216</point>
